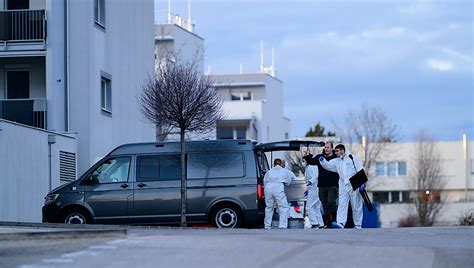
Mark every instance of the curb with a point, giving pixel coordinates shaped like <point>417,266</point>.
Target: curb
<point>63,234</point>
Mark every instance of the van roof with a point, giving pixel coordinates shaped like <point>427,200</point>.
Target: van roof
<point>191,146</point>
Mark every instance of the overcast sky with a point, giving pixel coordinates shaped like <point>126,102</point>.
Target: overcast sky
<point>414,59</point>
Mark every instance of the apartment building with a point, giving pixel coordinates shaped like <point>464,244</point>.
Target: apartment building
<point>253,105</point>
<point>75,67</point>
<point>391,182</point>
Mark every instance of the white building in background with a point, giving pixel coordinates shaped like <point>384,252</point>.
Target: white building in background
<point>253,105</point>
<point>390,185</point>
<point>73,66</point>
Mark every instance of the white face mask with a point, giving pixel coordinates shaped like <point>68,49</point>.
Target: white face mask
<point>303,164</point>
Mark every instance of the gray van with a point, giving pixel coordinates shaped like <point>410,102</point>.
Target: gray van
<point>140,184</point>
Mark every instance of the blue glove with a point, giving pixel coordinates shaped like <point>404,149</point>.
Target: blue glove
<point>362,188</point>
<point>305,193</point>
<point>321,159</point>
<point>309,183</point>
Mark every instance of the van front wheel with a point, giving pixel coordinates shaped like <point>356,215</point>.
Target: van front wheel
<point>75,217</point>
<point>227,216</point>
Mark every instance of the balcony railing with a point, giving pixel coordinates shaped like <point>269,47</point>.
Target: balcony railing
<point>30,112</point>
<point>22,25</point>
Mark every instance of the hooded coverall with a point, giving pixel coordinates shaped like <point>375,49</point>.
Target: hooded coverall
<point>313,204</point>
<point>345,168</point>
<point>274,181</point>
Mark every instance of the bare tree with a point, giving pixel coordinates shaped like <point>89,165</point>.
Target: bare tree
<point>180,97</point>
<point>168,52</point>
<point>370,127</point>
<point>427,181</point>
<point>294,159</point>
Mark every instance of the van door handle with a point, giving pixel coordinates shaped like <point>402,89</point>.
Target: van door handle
<point>141,184</point>
<point>124,185</point>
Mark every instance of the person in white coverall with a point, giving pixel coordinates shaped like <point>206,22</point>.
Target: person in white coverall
<point>313,204</point>
<point>274,185</point>
<point>346,168</point>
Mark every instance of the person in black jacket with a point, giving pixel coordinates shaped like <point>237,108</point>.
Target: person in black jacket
<point>328,185</point>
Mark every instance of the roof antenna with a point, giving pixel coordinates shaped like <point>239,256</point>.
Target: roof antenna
<point>190,24</point>
<point>273,72</point>
<point>261,56</point>
<point>169,11</point>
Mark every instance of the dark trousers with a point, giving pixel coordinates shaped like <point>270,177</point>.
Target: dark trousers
<point>328,197</point>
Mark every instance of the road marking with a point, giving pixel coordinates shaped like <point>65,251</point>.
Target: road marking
<point>103,247</point>
<point>59,260</point>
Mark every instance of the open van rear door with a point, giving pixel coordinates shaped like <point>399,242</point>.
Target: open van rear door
<point>292,145</point>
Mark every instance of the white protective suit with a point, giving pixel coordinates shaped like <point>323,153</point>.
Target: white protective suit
<point>274,185</point>
<point>345,168</point>
<point>313,204</point>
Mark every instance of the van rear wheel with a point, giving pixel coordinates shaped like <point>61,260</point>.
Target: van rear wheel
<point>75,216</point>
<point>227,216</point>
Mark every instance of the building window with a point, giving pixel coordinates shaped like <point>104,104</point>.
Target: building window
<point>391,197</point>
<point>241,96</point>
<point>106,94</point>
<point>99,12</point>
<point>18,4</point>
<point>391,168</point>
<point>231,132</point>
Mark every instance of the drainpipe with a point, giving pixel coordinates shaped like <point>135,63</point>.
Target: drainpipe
<point>66,63</point>
<point>51,141</point>
<point>466,165</point>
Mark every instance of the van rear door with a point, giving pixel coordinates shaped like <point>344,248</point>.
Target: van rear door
<point>294,191</point>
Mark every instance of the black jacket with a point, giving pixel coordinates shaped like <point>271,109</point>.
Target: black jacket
<point>326,178</point>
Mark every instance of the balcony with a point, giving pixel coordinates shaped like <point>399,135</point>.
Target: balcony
<point>30,112</point>
<point>22,30</point>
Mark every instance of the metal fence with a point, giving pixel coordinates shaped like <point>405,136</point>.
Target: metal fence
<point>22,25</point>
<point>31,112</point>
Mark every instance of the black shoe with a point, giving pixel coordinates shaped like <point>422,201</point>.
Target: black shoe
<point>315,226</point>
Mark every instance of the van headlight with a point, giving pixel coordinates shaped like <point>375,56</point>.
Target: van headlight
<point>49,199</point>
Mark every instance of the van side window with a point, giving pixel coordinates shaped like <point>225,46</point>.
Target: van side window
<point>215,165</point>
<point>112,170</point>
<point>154,167</point>
<point>262,162</point>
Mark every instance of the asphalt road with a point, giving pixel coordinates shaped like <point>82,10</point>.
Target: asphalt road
<point>402,247</point>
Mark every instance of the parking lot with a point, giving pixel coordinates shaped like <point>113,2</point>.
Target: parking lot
<point>174,247</point>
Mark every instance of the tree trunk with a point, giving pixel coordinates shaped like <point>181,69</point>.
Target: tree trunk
<point>183,180</point>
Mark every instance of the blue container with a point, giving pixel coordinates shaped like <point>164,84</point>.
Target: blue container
<point>371,219</point>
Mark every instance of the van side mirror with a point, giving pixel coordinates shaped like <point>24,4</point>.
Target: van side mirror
<point>90,181</point>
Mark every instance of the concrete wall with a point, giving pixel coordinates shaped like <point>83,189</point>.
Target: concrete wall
<point>125,50</point>
<point>391,214</point>
<point>25,169</point>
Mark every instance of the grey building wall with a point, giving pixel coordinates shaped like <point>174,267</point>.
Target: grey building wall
<point>27,172</point>
<point>173,41</point>
<point>124,49</point>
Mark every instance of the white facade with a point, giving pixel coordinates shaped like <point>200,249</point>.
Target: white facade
<point>66,51</point>
<point>34,161</point>
<point>389,184</point>
<point>121,52</point>
<point>253,106</point>
<point>74,66</point>
<point>177,44</point>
